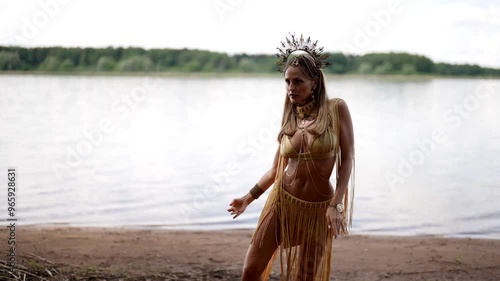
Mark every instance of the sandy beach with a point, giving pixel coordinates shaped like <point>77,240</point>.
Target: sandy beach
<point>70,253</point>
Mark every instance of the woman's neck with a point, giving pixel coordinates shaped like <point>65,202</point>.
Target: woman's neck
<point>306,109</point>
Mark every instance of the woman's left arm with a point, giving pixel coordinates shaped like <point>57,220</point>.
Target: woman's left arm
<point>341,221</point>
<point>346,151</point>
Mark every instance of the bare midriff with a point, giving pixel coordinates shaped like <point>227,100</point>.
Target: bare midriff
<point>308,182</point>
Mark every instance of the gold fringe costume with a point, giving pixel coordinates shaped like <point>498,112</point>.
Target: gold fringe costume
<point>305,239</point>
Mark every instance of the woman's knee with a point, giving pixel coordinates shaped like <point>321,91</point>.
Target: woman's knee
<point>252,272</point>
<point>255,263</point>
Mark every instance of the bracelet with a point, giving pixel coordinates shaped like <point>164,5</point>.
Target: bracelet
<point>256,191</point>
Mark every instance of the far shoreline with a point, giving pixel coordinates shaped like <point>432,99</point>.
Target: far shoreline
<point>401,77</point>
<point>194,228</point>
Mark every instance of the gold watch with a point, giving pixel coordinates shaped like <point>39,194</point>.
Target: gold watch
<point>339,207</point>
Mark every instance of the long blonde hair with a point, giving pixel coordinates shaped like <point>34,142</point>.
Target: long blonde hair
<point>289,124</point>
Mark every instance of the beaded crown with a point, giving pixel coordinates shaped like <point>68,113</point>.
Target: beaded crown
<point>294,47</point>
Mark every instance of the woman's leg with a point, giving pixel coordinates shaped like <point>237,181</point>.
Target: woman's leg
<point>310,257</point>
<point>257,258</point>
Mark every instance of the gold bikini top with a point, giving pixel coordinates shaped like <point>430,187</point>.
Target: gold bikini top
<point>322,147</point>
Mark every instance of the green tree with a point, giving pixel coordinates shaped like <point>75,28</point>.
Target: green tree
<point>365,68</point>
<point>192,66</point>
<point>136,63</point>
<point>247,65</point>
<point>105,64</point>
<point>9,60</point>
<point>409,69</point>
<point>51,63</point>
<point>132,52</point>
<point>384,68</point>
<point>66,65</point>
<point>339,63</point>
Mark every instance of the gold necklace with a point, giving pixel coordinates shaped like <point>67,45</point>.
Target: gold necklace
<point>302,111</point>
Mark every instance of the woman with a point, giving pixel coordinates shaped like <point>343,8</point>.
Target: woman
<point>303,211</point>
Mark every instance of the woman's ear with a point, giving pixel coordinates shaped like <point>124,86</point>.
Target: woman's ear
<point>316,82</point>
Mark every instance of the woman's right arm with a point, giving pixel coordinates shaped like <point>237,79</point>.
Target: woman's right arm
<point>267,179</point>
<point>238,206</point>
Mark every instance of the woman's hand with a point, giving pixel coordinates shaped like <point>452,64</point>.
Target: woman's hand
<point>335,220</point>
<point>238,206</point>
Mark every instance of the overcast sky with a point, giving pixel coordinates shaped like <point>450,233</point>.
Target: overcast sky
<point>458,31</point>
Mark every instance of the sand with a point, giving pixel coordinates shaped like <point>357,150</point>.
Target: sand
<point>70,253</point>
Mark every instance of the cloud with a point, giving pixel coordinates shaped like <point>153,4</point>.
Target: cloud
<point>475,30</point>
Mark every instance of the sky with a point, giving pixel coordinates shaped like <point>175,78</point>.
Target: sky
<point>459,31</point>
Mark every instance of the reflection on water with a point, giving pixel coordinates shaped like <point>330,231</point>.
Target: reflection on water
<point>173,152</point>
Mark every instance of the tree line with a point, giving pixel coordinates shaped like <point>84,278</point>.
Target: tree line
<point>132,59</point>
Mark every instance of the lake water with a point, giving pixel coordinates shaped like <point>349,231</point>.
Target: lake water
<point>172,152</point>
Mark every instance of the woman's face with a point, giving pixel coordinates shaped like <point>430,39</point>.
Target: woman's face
<point>298,86</point>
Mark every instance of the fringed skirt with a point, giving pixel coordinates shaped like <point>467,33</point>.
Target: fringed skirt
<point>304,239</point>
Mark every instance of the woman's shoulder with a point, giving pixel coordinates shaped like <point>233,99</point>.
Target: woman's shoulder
<point>338,105</point>
<point>336,102</point>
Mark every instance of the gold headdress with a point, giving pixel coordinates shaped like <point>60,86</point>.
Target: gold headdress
<point>293,48</point>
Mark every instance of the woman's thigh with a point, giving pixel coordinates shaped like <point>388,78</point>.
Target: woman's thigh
<point>310,257</point>
<point>260,252</point>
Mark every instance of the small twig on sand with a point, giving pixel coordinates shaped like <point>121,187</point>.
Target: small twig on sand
<point>40,258</point>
